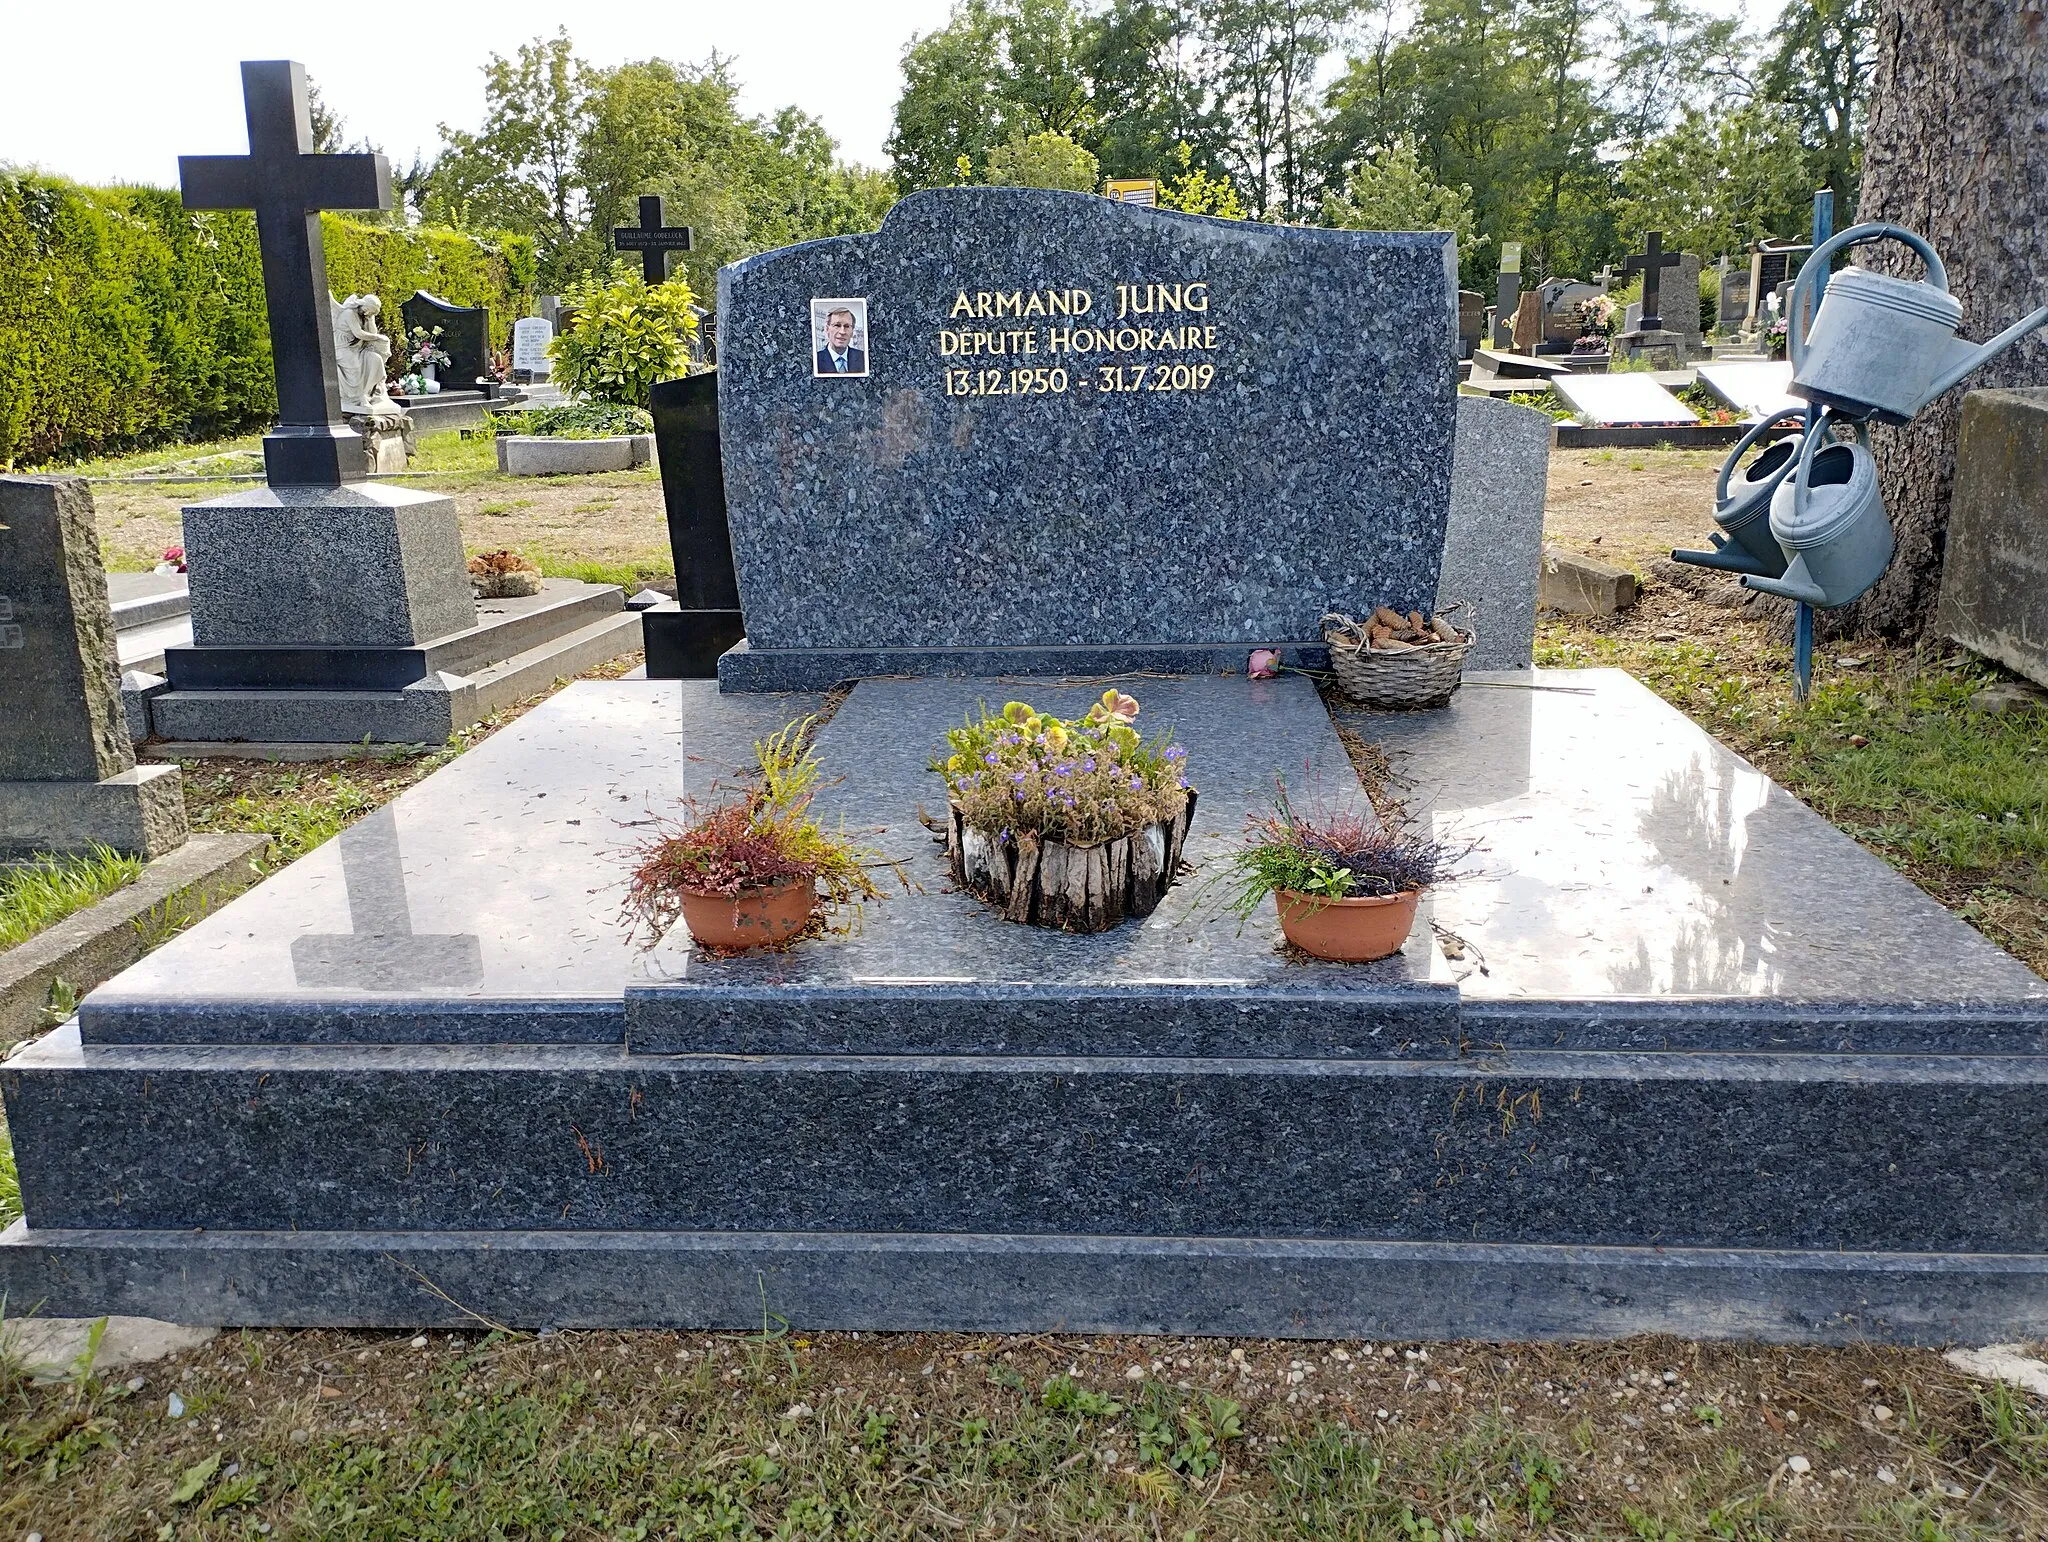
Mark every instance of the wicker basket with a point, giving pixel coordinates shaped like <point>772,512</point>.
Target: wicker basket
<point>1421,676</point>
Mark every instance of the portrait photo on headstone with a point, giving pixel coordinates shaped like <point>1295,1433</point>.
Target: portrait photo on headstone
<point>839,337</point>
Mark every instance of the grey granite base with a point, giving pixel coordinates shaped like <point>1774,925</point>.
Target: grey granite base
<point>425,712</point>
<point>1695,1062</point>
<point>909,1282</point>
<point>141,811</point>
<point>746,668</point>
<point>368,564</point>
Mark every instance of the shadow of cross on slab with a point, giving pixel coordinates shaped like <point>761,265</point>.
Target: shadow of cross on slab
<point>288,185</point>
<point>653,238</point>
<point>382,952</point>
<point>1651,262</point>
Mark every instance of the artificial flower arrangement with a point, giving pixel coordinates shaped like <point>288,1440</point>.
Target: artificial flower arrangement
<point>755,868</point>
<point>423,356</point>
<point>1346,886</point>
<point>1069,823</point>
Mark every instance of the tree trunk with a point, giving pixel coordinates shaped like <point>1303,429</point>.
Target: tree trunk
<point>1957,150</point>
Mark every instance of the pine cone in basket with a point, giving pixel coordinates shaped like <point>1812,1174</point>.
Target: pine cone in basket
<point>1388,631</point>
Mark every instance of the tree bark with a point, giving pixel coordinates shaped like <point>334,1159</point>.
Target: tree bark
<point>1957,150</point>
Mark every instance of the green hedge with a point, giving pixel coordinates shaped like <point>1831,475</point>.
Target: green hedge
<point>127,321</point>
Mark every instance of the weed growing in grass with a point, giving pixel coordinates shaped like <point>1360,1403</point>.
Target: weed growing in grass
<point>10,1182</point>
<point>38,894</point>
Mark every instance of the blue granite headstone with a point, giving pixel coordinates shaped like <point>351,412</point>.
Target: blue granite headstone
<point>1057,434</point>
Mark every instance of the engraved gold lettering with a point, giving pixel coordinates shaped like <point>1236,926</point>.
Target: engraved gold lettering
<point>1123,333</point>
<point>1169,296</point>
<point>982,300</point>
<point>949,341</point>
<point>1011,304</point>
<point>1194,304</point>
<point>1035,306</point>
<point>1145,336</point>
<point>1080,300</point>
<point>961,307</point>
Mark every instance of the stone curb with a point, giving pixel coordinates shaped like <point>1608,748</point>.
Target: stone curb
<point>91,947</point>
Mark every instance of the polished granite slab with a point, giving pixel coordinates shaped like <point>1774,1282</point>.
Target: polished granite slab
<point>934,971</point>
<point>481,905</point>
<point>1639,885</point>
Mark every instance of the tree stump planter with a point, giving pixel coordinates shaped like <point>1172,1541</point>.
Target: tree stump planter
<point>1069,888</point>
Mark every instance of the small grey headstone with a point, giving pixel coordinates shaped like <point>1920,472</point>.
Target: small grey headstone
<point>59,684</point>
<point>1493,545</point>
<point>1994,582</point>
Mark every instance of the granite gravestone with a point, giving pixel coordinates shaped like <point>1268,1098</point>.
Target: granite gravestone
<point>465,336</point>
<point>1080,436</point>
<point>312,596</point>
<point>68,777</point>
<point>1471,321</point>
<point>1994,581</point>
<point>685,637</point>
<point>1493,544</point>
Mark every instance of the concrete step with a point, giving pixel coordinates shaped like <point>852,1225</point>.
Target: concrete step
<point>561,657</point>
<point>1863,1153</point>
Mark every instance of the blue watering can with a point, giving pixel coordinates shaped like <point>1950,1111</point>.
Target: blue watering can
<point>1744,543</point>
<point>1883,347</point>
<point>1829,517</point>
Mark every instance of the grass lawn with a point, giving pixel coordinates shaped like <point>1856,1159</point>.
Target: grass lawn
<point>782,1434</point>
<point>38,894</point>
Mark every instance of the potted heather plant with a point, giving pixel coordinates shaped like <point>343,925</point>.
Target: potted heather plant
<point>1074,824</point>
<point>1346,886</point>
<point>754,869</point>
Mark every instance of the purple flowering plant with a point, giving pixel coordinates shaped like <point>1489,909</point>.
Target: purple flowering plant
<point>1081,780</point>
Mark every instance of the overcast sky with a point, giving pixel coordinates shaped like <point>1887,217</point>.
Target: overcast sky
<point>115,90</point>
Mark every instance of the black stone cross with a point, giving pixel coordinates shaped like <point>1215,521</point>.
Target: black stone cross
<point>1650,263</point>
<point>652,239</point>
<point>288,185</point>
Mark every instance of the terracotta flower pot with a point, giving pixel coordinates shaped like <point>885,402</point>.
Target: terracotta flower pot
<point>1347,931</point>
<point>753,918</point>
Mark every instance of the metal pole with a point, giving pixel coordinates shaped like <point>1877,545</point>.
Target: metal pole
<point>1802,628</point>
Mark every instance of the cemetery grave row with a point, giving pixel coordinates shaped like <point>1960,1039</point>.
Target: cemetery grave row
<point>1675,1056</point>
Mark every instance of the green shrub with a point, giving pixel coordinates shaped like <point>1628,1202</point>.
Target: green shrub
<point>623,337</point>
<point>577,420</point>
<point>128,320</point>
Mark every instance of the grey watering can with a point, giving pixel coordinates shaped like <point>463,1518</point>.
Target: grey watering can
<point>1830,519</point>
<point>1744,543</point>
<point>1879,346</point>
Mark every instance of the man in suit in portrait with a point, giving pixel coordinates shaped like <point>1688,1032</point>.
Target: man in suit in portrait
<point>839,356</point>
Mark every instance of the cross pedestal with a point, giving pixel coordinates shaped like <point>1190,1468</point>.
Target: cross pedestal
<point>1649,339</point>
<point>288,185</point>
<point>653,238</point>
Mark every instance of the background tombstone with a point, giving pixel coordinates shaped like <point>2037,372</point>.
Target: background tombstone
<point>1681,302</point>
<point>68,776</point>
<point>1994,583</point>
<point>1561,300</point>
<point>1647,335</point>
<point>1471,321</point>
<point>530,339</point>
<point>653,238</point>
<point>1507,294</point>
<point>1528,325</point>
<point>685,638</point>
<point>1054,478</point>
<point>1771,263</point>
<point>1732,306</point>
<point>465,334</point>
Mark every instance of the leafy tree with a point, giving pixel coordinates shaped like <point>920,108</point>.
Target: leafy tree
<point>1195,191</point>
<point>1390,190</point>
<point>999,70</point>
<point>1718,182</point>
<point>1149,96</point>
<point>1044,160</point>
<point>519,173</point>
<point>1267,55</point>
<point>1819,67</point>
